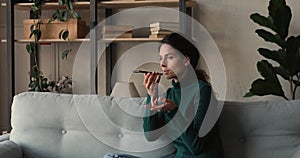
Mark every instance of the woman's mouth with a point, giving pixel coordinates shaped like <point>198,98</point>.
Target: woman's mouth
<point>166,72</point>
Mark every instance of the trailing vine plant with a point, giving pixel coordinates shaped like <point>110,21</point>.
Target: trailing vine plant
<point>38,82</point>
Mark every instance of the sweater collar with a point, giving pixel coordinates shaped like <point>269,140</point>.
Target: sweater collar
<point>186,81</point>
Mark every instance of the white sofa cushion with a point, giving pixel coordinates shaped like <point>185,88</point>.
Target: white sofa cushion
<point>48,125</point>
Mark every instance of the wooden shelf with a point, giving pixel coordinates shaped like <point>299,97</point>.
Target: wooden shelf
<point>114,40</point>
<point>109,4</point>
<point>53,5</point>
<point>51,40</point>
<point>132,4</point>
<point>132,39</point>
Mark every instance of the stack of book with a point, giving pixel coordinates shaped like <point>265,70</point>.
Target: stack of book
<point>116,31</point>
<point>162,29</point>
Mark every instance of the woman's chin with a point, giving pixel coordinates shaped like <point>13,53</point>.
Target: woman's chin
<point>168,77</point>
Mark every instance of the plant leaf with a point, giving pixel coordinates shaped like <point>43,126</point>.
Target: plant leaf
<point>249,94</point>
<point>293,55</point>
<point>29,48</point>
<point>31,34</point>
<point>69,3</point>
<point>281,15</point>
<point>274,5</point>
<point>64,16</point>
<point>65,35</point>
<point>65,53</point>
<point>60,2</point>
<point>279,56</point>
<point>32,27</point>
<point>37,34</point>
<point>282,21</point>
<point>268,86</point>
<point>269,37</point>
<point>54,16</point>
<point>75,14</point>
<point>282,72</point>
<point>263,21</point>
<point>34,72</point>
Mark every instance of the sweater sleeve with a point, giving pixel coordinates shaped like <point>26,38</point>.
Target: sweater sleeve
<point>152,121</point>
<point>190,137</point>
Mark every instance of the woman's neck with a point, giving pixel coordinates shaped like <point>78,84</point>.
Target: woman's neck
<point>180,76</point>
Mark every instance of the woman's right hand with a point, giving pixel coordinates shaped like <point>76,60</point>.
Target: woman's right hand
<point>151,81</point>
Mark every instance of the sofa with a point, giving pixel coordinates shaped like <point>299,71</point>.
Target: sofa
<point>48,125</point>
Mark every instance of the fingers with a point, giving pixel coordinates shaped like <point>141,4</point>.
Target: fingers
<point>151,78</point>
<point>154,108</point>
<point>154,102</point>
<point>157,78</point>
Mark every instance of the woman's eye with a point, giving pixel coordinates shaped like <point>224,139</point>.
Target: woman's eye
<point>170,57</point>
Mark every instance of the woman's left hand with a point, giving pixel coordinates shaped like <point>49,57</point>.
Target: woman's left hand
<point>168,105</point>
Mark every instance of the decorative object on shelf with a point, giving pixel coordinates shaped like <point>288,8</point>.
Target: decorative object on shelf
<point>116,31</point>
<point>124,89</point>
<point>76,28</point>
<point>161,29</point>
<point>38,81</point>
<point>287,56</point>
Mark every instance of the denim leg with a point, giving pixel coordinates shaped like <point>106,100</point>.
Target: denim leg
<point>116,155</point>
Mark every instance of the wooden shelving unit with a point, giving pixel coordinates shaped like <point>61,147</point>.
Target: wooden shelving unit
<point>114,40</point>
<point>103,5</point>
<point>109,4</point>
<point>184,6</point>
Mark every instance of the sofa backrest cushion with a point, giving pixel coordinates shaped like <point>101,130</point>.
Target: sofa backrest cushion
<point>265,129</point>
<point>48,125</point>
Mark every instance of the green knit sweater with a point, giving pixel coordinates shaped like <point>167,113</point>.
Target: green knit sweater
<point>183,124</point>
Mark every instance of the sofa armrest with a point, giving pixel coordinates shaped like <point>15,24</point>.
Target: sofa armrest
<point>9,149</point>
<point>4,137</point>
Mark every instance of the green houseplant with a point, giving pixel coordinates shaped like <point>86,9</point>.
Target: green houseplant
<point>287,56</point>
<point>38,82</point>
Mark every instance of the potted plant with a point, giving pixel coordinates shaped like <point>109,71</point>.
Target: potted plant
<point>38,81</point>
<point>287,56</point>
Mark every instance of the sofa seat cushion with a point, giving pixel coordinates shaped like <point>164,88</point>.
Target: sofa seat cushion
<point>9,149</point>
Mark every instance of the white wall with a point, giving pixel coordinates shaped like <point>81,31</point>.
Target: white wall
<point>229,24</point>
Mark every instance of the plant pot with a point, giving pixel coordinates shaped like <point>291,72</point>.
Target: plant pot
<point>77,28</point>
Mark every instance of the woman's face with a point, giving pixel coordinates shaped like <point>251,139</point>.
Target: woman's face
<point>173,64</point>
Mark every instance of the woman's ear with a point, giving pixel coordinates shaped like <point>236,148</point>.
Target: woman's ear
<point>187,61</point>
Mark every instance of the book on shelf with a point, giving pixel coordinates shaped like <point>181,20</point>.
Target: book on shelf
<point>116,28</point>
<point>165,25</point>
<point>155,29</point>
<point>117,35</point>
<point>157,36</point>
<point>161,32</point>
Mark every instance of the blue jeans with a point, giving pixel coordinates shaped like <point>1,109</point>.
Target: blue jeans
<point>115,155</point>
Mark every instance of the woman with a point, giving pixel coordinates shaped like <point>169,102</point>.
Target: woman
<point>190,94</point>
<point>178,60</point>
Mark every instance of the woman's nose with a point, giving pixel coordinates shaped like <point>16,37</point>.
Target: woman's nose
<point>163,63</point>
